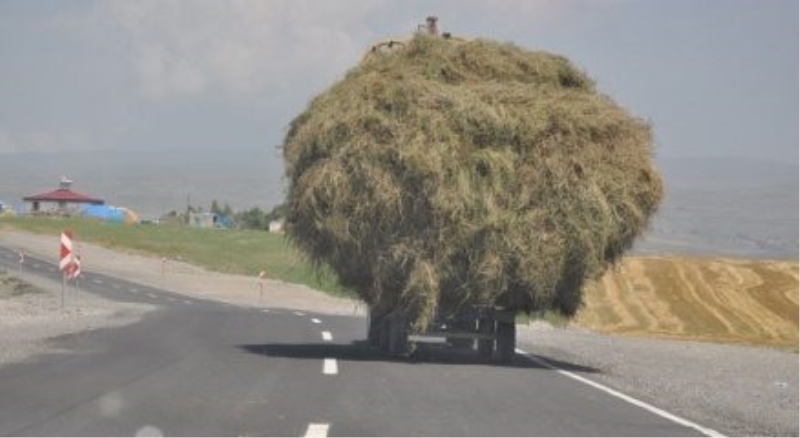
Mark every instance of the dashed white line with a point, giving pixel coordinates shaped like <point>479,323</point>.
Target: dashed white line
<point>152,295</point>
<point>96,281</point>
<point>136,291</point>
<point>316,321</point>
<point>317,430</point>
<point>265,310</point>
<point>329,367</point>
<point>625,397</point>
<point>299,313</point>
<point>187,302</point>
<point>326,336</point>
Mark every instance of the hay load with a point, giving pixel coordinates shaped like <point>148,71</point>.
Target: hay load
<point>445,173</point>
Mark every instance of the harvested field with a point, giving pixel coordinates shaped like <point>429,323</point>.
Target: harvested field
<point>720,300</point>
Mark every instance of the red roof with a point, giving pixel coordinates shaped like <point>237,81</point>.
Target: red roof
<point>63,195</point>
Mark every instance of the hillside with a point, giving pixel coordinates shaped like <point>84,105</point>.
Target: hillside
<point>713,299</point>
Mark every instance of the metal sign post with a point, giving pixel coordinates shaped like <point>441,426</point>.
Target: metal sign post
<point>261,288</point>
<point>21,261</point>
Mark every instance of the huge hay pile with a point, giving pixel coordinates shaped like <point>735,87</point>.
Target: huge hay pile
<point>450,173</point>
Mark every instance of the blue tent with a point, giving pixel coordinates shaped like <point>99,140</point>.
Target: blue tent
<point>104,212</point>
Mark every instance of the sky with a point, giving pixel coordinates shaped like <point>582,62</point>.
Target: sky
<point>715,78</point>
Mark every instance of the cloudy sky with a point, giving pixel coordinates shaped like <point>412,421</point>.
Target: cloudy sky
<point>715,77</point>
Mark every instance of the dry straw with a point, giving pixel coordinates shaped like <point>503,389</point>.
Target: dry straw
<point>445,173</point>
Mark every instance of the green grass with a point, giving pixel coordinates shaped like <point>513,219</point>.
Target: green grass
<point>235,252</point>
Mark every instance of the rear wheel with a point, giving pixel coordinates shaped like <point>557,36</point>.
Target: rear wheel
<point>506,341</point>
<point>485,346</point>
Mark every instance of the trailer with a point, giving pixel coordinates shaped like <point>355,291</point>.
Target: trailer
<point>489,332</point>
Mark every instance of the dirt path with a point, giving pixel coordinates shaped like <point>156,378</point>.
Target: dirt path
<point>186,279</point>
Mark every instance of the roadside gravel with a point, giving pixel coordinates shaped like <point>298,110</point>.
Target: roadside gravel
<point>736,390</point>
<point>28,321</point>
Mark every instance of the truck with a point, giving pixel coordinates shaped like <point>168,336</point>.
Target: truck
<point>489,332</point>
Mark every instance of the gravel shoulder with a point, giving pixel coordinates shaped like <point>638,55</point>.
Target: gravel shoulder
<point>736,390</point>
<point>29,321</point>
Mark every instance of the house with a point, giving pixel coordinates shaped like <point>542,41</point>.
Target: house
<point>276,227</point>
<point>62,201</point>
<point>208,220</point>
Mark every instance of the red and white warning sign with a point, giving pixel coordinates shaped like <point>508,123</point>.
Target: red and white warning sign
<point>66,259</point>
<point>73,270</point>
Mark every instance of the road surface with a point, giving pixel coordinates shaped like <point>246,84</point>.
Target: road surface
<point>202,368</point>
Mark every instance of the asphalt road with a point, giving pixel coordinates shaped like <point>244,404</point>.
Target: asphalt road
<point>203,368</point>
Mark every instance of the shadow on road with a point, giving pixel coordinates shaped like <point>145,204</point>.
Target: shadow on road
<point>361,351</point>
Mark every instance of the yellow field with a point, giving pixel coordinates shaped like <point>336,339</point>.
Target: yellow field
<point>720,300</point>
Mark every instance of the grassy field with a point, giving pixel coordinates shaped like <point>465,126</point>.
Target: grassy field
<point>235,252</point>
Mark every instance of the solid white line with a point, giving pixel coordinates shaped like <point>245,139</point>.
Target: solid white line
<point>316,321</point>
<point>326,336</point>
<point>329,367</point>
<point>317,430</point>
<point>625,397</point>
<point>299,313</point>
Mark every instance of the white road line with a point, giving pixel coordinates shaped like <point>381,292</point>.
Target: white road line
<point>265,310</point>
<point>96,281</point>
<point>152,295</point>
<point>326,336</point>
<point>625,397</point>
<point>299,313</point>
<point>316,321</point>
<point>136,291</point>
<point>187,302</point>
<point>317,430</point>
<point>329,367</point>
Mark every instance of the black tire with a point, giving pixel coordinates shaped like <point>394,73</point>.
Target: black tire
<point>506,341</point>
<point>486,346</point>
<point>384,335</point>
<point>398,337</point>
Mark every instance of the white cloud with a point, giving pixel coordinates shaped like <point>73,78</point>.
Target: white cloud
<point>238,47</point>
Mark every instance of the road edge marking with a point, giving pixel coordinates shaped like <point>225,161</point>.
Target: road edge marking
<point>613,392</point>
<point>329,367</point>
<point>316,321</point>
<point>317,430</point>
<point>327,336</point>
